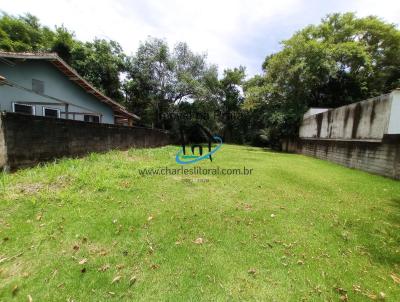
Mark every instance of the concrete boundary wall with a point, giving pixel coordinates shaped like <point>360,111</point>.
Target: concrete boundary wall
<point>382,158</point>
<point>363,135</point>
<point>27,140</point>
<point>366,120</point>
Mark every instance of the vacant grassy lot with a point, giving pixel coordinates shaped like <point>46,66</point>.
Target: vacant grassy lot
<point>93,229</point>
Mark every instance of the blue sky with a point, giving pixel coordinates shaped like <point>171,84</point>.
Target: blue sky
<point>231,32</point>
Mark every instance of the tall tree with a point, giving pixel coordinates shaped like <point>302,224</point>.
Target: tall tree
<point>158,79</point>
<point>62,42</point>
<point>342,60</point>
<point>231,101</point>
<point>22,34</point>
<point>101,62</point>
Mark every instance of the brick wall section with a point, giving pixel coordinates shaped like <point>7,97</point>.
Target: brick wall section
<point>33,139</point>
<point>382,158</point>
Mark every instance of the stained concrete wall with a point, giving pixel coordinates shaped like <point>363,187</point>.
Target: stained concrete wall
<point>382,158</point>
<point>364,135</point>
<point>367,120</point>
<point>29,140</point>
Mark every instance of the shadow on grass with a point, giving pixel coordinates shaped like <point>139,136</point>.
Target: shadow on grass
<point>264,149</point>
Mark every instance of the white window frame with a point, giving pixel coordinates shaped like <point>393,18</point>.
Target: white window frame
<point>58,111</point>
<point>93,115</point>
<point>22,103</point>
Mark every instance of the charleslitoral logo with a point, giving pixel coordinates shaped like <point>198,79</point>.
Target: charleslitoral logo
<point>195,136</point>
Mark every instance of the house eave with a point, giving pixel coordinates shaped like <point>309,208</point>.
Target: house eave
<point>72,75</point>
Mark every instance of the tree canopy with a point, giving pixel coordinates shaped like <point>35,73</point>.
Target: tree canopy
<point>159,78</point>
<point>342,60</point>
<point>101,62</point>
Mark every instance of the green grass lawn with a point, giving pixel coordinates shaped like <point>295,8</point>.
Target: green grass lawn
<point>93,229</point>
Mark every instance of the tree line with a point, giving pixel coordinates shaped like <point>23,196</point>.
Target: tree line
<point>343,59</point>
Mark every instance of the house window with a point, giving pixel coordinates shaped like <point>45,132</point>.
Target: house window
<point>24,109</point>
<point>38,86</point>
<point>91,118</point>
<point>51,112</point>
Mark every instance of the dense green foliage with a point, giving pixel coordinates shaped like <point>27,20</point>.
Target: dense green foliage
<point>158,84</point>
<point>100,62</point>
<point>158,79</point>
<point>342,60</point>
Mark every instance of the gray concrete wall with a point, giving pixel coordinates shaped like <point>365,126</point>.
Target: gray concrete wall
<point>56,84</point>
<point>32,139</point>
<point>382,158</point>
<point>367,120</point>
<point>364,135</point>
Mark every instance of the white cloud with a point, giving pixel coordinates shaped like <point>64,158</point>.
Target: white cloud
<point>388,10</point>
<point>232,32</point>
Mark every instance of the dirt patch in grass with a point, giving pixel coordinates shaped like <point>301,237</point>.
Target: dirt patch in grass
<point>128,155</point>
<point>85,246</point>
<point>35,188</point>
<point>29,188</point>
<point>14,268</point>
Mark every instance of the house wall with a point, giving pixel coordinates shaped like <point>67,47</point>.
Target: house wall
<point>56,84</point>
<point>3,149</point>
<point>29,140</point>
<point>364,135</point>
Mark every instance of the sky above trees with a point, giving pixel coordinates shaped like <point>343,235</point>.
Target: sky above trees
<point>232,32</point>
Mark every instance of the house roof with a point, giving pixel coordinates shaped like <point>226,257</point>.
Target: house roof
<point>73,75</point>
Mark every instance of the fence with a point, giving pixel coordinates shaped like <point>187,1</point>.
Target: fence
<point>363,135</point>
<point>27,140</point>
